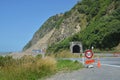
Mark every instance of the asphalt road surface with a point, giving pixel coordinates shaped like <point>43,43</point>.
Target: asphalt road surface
<point>109,70</point>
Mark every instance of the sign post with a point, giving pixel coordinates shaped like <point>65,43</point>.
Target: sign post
<point>89,55</point>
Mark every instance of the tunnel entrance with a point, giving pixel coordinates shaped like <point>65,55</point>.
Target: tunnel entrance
<point>76,49</point>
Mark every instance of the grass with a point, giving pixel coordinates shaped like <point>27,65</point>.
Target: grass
<point>68,65</point>
<point>66,54</point>
<point>33,68</point>
<point>28,68</point>
<point>115,49</point>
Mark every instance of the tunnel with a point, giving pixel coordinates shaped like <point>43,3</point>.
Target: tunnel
<point>76,49</point>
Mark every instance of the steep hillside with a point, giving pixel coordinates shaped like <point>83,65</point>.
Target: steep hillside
<point>94,22</point>
<point>64,26</point>
<point>103,30</point>
<point>44,29</point>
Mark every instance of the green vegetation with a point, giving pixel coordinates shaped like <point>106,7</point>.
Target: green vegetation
<point>68,65</point>
<point>64,54</point>
<point>60,46</point>
<point>103,28</point>
<point>33,68</point>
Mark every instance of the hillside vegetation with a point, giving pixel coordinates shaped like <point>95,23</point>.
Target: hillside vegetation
<point>94,22</point>
<point>103,28</point>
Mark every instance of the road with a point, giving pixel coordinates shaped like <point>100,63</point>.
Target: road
<point>112,61</point>
<point>109,70</point>
<point>105,60</point>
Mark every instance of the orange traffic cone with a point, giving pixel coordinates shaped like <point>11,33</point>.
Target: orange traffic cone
<point>98,64</point>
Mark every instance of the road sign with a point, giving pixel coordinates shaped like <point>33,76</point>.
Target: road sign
<point>88,54</point>
<point>89,61</point>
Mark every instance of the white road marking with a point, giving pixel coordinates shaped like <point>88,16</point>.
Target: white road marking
<point>111,65</point>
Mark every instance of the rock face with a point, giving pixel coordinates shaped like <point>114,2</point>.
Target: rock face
<point>41,43</point>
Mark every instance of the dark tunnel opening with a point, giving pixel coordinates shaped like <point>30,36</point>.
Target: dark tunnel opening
<point>76,49</point>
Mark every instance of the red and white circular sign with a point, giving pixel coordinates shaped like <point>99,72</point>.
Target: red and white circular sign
<point>88,54</point>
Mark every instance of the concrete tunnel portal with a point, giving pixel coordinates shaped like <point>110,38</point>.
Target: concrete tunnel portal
<point>76,47</point>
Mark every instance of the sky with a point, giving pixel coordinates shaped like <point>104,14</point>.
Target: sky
<point>20,19</point>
